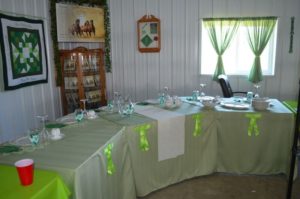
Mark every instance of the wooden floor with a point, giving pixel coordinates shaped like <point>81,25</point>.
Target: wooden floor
<point>226,186</point>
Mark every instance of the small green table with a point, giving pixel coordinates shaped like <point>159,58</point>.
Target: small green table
<point>46,184</point>
<point>291,104</point>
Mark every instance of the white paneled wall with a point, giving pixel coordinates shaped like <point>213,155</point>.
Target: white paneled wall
<point>142,75</point>
<point>177,65</point>
<point>19,108</point>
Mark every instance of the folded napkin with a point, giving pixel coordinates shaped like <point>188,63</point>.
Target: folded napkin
<point>55,125</point>
<point>170,129</point>
<point>9,148</point>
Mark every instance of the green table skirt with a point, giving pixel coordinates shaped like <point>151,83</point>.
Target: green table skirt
<point>224,144</point>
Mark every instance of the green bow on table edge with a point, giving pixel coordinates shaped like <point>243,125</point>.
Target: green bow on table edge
<point>197,130</point>
<point>142,130</point>
<point>253,123</point>
<point>110,165</point>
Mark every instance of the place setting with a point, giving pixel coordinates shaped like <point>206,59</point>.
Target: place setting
<point>199,98</point>
<point>167,101</point>
<point>250,101</point>
<point>35,138</point>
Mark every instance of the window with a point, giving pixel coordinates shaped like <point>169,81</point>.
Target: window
<point>238,58</point>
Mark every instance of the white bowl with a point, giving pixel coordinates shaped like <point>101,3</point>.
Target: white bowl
<point>260,104</point>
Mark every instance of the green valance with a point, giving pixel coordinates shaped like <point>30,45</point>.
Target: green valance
<point>240,18</point>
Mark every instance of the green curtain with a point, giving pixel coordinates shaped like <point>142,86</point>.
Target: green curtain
<point>221,32</point>
<point>259,32</point>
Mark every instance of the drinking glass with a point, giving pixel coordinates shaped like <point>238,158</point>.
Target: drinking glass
<point>78,115</point>
<point>44,134</point>
<point>129,107</point>
<point>34,137</point>
<point>115,103</point>
<point>202,86</point>
<point>161,98</point>
<point>195,95</point>
<point>166,91</point>
<point>120,105</point>
<point>256,86</point>
<point>84,106</point>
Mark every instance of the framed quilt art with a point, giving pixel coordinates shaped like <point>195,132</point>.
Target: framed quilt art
<point>148,28</point>
<point>23,52</point>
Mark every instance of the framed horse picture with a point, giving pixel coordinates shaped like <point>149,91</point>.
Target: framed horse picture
<point>79,23</point>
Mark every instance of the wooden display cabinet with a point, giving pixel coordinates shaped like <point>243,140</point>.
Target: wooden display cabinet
<point>83,78</point>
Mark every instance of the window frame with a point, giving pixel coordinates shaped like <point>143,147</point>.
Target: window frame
<point>271,57</point>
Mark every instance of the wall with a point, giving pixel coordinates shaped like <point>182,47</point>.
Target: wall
<point>142,75</point>
<point>19,108</point>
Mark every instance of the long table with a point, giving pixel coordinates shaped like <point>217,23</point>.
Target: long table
<point>81,161</point>
<point>228,141</point>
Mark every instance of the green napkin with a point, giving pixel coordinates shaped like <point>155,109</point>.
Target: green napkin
<point>9,148</point>
<point>143,103</point>
<point>55,125</point>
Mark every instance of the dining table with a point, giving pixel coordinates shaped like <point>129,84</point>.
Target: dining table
<point>128,156</point>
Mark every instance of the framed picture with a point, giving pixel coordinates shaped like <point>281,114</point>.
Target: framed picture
<point>88,81</point>
<point>148,28</point>
<point>23,50</point>
<point>79,23</point>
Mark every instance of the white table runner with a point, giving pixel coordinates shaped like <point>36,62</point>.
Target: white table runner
<point>170,129</point>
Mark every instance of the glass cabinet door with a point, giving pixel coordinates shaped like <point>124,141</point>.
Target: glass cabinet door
<point>91,78</point>
<point>84,79</point>
<point>71,81</point>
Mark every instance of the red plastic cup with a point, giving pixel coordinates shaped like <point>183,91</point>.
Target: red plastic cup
<point>25,171</point>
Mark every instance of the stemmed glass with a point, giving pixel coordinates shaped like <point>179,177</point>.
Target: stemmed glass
<point>78,115</point>
<point>116,101</point>
<point>202,86</point>
<point>256,86</point>
<point>128,107</point>
<point>44,135</point>
<point>35,138</point>
<point>84,106</point>
<point>163,96</point>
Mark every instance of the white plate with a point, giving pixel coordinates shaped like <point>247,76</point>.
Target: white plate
<point>237,106</point>
<point>57,137</point>
<point>207,98</point>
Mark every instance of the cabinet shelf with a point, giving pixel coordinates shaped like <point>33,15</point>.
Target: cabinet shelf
<point>84,78</point>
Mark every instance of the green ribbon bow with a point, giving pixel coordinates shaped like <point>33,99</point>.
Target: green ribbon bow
<point>142,130</point>
<point>110,165</point>
<point>252,124</point>
<point>197,130</point>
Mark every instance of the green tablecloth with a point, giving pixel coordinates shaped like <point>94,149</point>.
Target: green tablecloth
<point>46,184</point>
<point>291,104</point>
<point>222,146</point>
<point>81,162</point>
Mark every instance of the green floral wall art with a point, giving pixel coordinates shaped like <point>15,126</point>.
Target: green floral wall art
<point>23,50</point>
